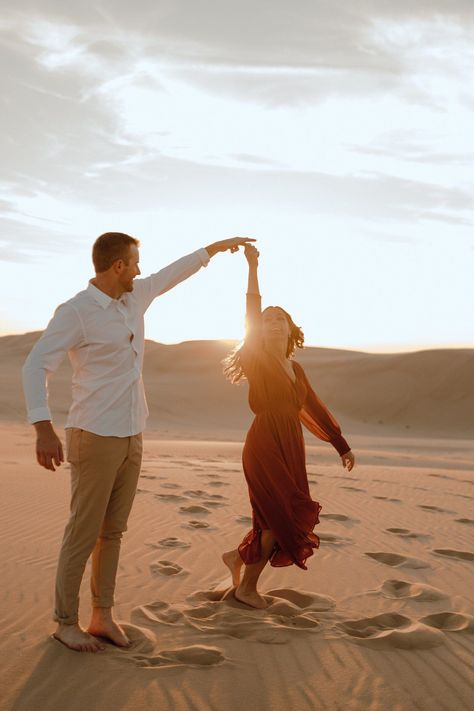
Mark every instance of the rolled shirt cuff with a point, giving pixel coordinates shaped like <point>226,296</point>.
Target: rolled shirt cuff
<point>38,414</point>
<point>340,444</point>
<point>203,256</point>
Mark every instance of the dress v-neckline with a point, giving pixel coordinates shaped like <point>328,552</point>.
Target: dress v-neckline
<point>293,382</point>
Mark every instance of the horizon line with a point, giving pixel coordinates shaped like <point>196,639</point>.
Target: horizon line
<point>365,348</point>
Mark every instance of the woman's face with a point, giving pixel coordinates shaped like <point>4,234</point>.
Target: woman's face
<point>275,325</point>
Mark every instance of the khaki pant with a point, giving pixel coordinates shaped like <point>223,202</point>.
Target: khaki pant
<point>104,476</point>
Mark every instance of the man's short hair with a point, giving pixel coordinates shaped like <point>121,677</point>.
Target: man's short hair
<point>109,247</point>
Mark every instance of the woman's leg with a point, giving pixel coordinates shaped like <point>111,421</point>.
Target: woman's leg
<point>247,589</point>
<point>234,562</point>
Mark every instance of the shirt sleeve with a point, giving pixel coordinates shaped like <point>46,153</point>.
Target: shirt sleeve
<point>63,332</point>
<point>156,284</point>
<point>316,417</point>
<point>252,347</point>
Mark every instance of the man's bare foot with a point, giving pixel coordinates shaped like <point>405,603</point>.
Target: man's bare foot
<point>76,638</point>
<point>102,625</point>
<point>234,562</point>
<point>250,597</point>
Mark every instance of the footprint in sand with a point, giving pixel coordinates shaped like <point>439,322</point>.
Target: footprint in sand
<point>170,497</point>
<point>195,509</point>
<point>166,567</point>
<point>142,640</point>
<point>352,488</point>
<point>210,499</point>
<point>398,561</point>
<point>193,656</point>
<point>434,509</point>
<point>386,498</point>
<point>156,612</point>
<point>450,622</point>
<point>196,524</point>
<point>334,539</point>
<point>468,521</point>
<point>450,553</point>
<point>390,630</point>
<point>303,599</point>
<point>170,542</point>
<point>402,589</point>
<point>148,476</point>
<point>244,519</point>
<point>218,612</point>
<point>219,483</point>
<point>406,533</point>
<point>170,485</point>
<point>339,517</point>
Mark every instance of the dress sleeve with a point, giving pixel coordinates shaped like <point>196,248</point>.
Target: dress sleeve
<point>252,347</point>
<point>316,417</point>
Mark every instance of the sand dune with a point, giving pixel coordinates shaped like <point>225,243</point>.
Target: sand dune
<point>427,393</point>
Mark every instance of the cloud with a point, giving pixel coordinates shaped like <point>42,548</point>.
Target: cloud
<point>75,71</point>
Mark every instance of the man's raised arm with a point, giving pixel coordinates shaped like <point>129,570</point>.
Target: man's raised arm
<point>159,283</point>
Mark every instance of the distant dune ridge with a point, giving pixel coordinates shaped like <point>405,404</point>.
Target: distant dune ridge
<point>429,393</point>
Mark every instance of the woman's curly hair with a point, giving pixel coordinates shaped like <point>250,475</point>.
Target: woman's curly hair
<point>233,370</point>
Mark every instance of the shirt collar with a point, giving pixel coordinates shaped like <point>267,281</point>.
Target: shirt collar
<point>99,296</point>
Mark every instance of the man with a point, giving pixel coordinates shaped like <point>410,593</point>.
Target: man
<point>102,330</point>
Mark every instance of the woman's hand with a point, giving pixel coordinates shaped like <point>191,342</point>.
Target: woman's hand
<point>348,460</point>
<point>251,254</point>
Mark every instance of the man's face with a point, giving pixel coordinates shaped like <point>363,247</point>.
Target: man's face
<point>130,270</point>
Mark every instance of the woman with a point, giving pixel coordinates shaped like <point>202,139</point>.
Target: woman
<point>273,457</point>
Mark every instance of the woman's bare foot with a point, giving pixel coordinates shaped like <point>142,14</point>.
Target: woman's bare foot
<point>234,562</point>
<point>76,638</point>
<point>103,625</point>
<point>250,597</point>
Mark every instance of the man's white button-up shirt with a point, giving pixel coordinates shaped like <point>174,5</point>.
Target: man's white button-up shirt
<point>105,341</point>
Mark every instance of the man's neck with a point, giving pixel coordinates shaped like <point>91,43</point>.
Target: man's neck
<point>113,290</point>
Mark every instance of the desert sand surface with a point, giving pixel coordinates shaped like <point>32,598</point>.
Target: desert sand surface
<point>383,619</point>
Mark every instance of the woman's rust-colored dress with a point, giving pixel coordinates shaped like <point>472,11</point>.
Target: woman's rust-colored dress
<point>274,452</point>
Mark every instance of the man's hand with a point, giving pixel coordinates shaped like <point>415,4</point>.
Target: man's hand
<point>48,446</point>
<point>231,244</point>
<point>348,460</point>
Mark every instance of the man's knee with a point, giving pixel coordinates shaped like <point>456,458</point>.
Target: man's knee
<point>112,533</point>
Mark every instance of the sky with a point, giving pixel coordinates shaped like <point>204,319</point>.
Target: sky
<point>339,135</point>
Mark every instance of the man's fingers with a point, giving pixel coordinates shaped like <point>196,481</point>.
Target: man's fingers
<point>56,458</point>
<point>49,462</point>
<point>45,460</point>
